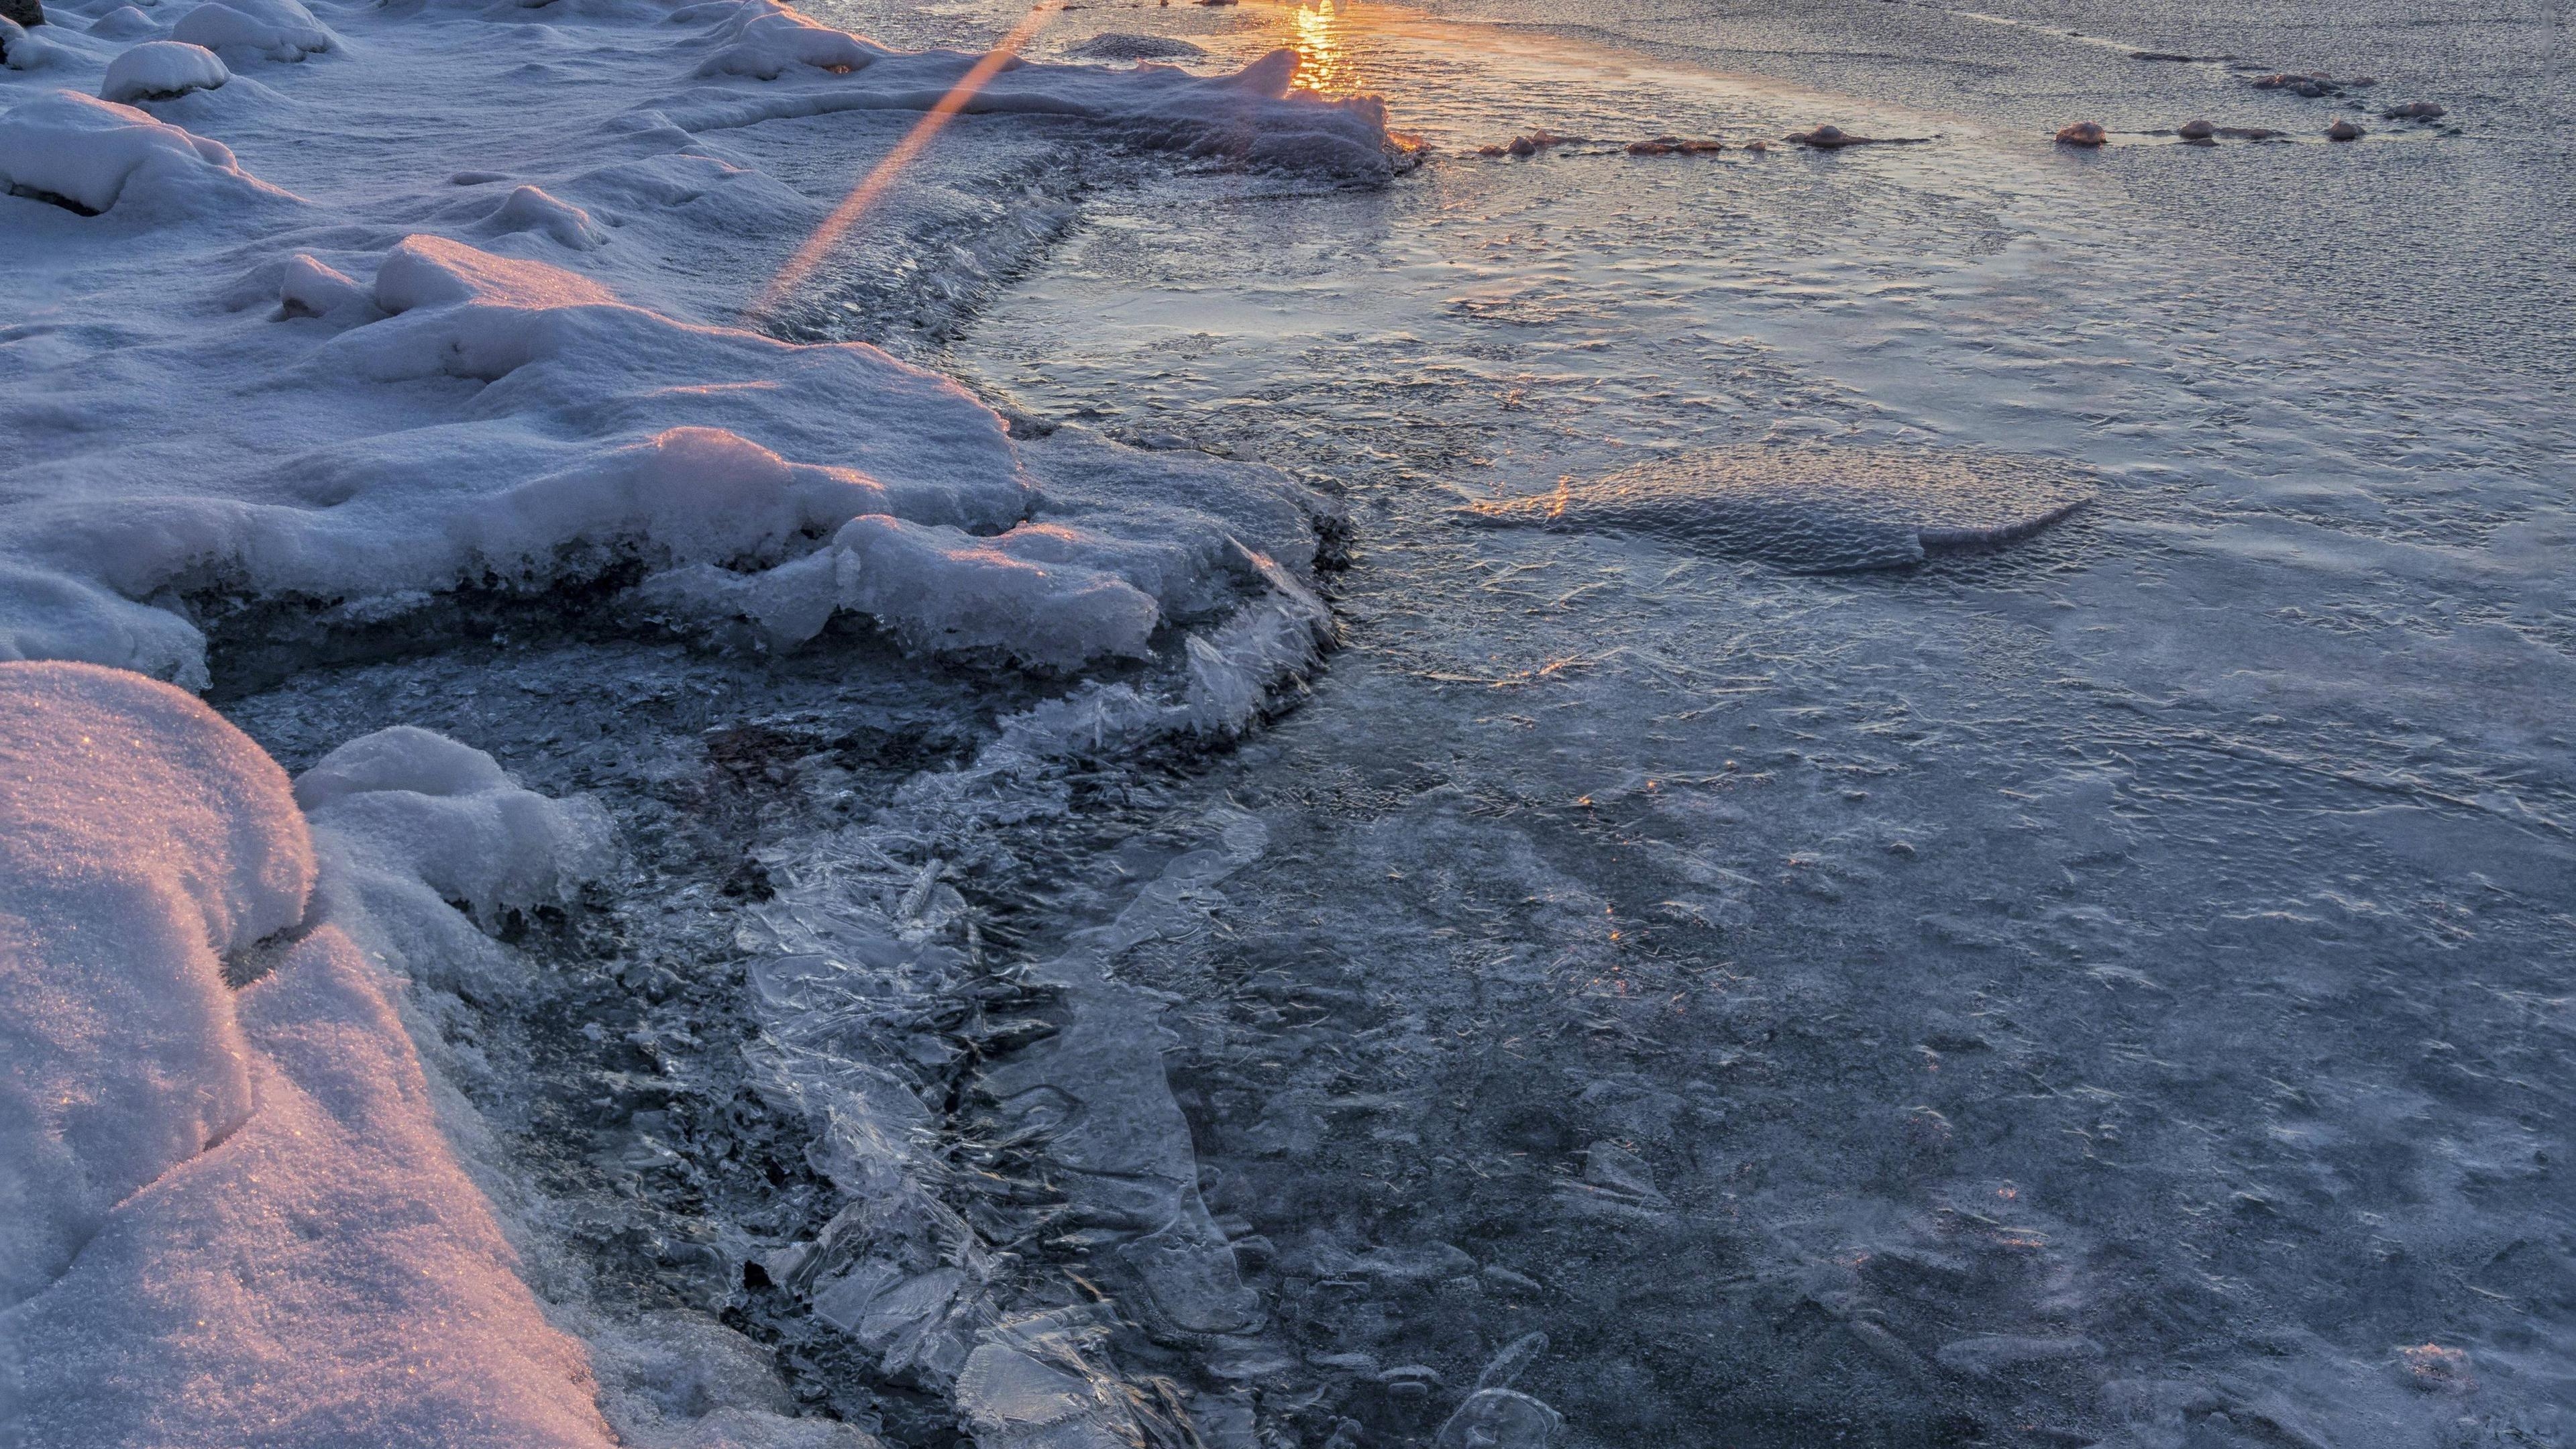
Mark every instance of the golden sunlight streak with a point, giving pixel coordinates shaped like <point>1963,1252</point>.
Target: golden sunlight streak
<point>1323,62</point>
<point>914,142</point>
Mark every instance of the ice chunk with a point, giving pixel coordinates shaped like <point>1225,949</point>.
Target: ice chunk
<point>160,69</point>
<point>938,588</point>
<point>96,154</point>
<point>1499,1419</point>
<point>1816,510</point>
<point>409,803</point>
<point>276,29</point>
<point>1987,1354</point>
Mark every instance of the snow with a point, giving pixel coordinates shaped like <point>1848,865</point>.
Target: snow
<point>97,154</point>
<point>234,1216</point>
<point>277,30</point>
<point>280,372</point>
<point>161,69</point>
<point>125,22</point>
<point>144,840</point>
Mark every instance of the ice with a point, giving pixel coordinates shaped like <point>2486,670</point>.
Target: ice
<point>1256,115</point>
<point>234,1216</point>
<point>1120,45</point>
<point>277,30</point>
<point>160,69</point>
<point>1816,510</point>
<point>96,155</point>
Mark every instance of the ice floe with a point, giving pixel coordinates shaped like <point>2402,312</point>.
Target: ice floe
<point>1815,510</point>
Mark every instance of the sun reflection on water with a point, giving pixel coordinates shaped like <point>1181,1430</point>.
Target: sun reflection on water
<point>1324,60</point>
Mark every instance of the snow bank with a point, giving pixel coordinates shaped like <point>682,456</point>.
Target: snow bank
<point>234,1218</point>
<point>932,534</point>
<point>764,40</point>
<point>160,69</point>
<point>96,154</point>
<point>141,839</point>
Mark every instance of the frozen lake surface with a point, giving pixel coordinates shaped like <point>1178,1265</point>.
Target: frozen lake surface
<point>2108,987</point>
<point>1943,814</point>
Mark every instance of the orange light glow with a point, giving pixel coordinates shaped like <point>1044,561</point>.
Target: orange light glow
<point>1323,62</point>
<point>915,141</point>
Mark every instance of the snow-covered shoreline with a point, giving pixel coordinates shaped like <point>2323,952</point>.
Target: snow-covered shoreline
<point>291,361</point>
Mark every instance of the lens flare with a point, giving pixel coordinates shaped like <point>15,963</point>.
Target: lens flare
<point>914,142</point>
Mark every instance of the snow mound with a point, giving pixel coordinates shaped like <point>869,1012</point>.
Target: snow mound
<point>1816,510</point>
<point>281,30</point>
<point>408,822</point>
<point>96,154</point>
<point>232,1216</point>
<point>529,209</point>
<point>313,288</point>
<point>125,22</point>
<point>141,839</point>
<point>160,69</point>
<point>22,49</point>
<point>451,818</point>
<point>764,40</point>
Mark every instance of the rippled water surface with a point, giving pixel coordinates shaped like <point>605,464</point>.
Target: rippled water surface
<point>2107,986</point>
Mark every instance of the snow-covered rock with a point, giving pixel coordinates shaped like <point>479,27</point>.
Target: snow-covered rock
<point>160,69</point>
<point>274,29</point>
<point>97,155</point>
